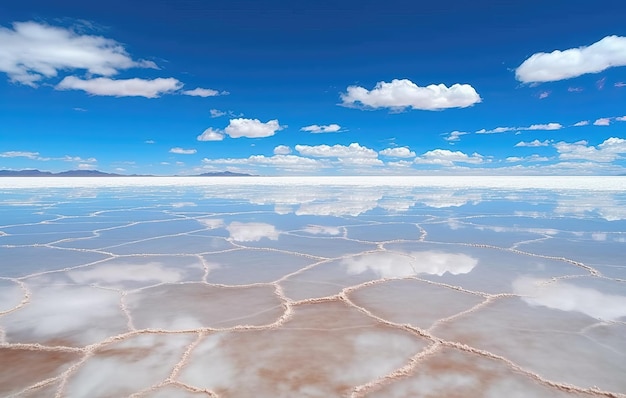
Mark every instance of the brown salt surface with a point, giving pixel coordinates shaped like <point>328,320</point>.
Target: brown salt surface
<point>326,349</point>
<point>411,301</point>
<point>122,368</point>
<point>457,374</point>
<point>545,341</point>
<point>196,305</point>
<point>22,368</point>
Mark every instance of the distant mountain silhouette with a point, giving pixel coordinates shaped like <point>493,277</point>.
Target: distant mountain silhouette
<point>224,174</point>
<point>96,173</point>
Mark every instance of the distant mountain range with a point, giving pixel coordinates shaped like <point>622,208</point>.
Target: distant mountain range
<point>96,173</point>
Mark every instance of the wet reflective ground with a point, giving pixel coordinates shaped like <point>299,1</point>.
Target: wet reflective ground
<point>311,290</point>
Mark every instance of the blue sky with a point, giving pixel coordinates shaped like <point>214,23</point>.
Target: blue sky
<point>314,87</point>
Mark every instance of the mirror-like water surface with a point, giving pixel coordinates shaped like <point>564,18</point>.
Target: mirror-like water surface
<point>336,288</point>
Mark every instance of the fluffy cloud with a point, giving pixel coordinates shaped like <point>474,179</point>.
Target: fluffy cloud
<point>534,143</point>
<point>282,150</point>
<point>454,136</point>
<point>252,128</point>
<point>549,126</point>
<point>604,121</point>
<point>290,162</point>
<point>581,123</point>
<point>353,150</point>
<point>444,157</point>
<point>252,231</point>
<point>121,88</point>
<point>203,92</point>
<point>497,130</point>
<point>560,65</point>
<point>211,134</point>
<point>19,154</point>
<point>314,128</point>
<point>400,94</point>
<point>181,151</point>
<point>608,151</point>
<point>32,51</point>
<point>401,152</point>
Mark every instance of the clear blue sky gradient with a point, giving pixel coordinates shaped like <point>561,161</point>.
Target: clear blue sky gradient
<point>291,61</point>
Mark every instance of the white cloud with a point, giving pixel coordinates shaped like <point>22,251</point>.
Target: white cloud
<point>400,94</point>
<point>282,150</point>
<point>211,134</point>
<point>620,84</point>
<point>444,157</point>
<point>527,159</point>
<point>86,166</point>
<point>560,65</point>
<point>202,92</point>
<point>604,121</point>
<point>252,128</point>
<point>581,123</point>
<point>360,162</point>
<point>621,118</point>
<point>252,232</point>
<point>217,113</point>
<point>76,159</point>
<point>314,128</point>
<point>549,126</point>
<point>19,154</point>
<point>149,141</point>
<point>455,136</point>
<point>32,51</point>
<point>496,130</point>
<point>400,152</point>
<point>608,151</point>
<point>290,162</point>
<point>544,94</point>
<point>353,150</point>
<point>181,151</point>
<point>534,143</point>
<point>575,89</point>
<point>121,88</point>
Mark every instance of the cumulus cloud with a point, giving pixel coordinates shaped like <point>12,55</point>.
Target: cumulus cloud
<point>121,88</point>
<point>282,150</point>
<point>211,134</point>
<point>354,150</point>
<point>314,128</point>
<point>581,123</point>
<point>290,162</point>
<point>560,65</point>
<point>19,154</point>
<point>32,51</point>
<point>252,128</point>
<point>400,152</point>
<point>203,92</point>
<point>454,136</point>
<point>549,126</point>
<point>604,121</point>
<point>497,130</point>
<point>181,151</point>
<point>608,151</point>
<point>534,143</point>
<point>400,94</point>
<point>444,157</point>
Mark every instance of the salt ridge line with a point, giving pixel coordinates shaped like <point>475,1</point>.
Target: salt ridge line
<point>250,329</point>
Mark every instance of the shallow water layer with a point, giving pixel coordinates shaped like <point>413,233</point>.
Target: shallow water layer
<point>296,288</point>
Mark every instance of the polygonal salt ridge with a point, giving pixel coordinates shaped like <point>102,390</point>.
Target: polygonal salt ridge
<point>13,295</point>
<point>327,347</point>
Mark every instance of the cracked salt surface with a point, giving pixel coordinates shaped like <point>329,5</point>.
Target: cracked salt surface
<point>334,287</point>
